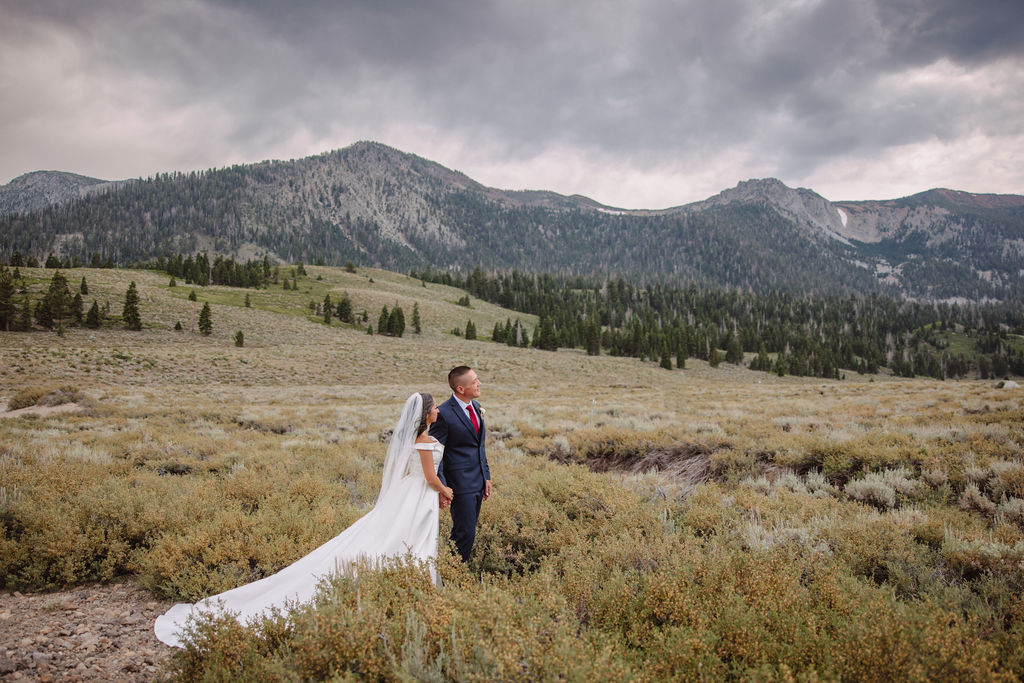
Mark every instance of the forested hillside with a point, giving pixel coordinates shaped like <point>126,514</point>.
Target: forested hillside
<point>823,336</point>
<point>376,206</point>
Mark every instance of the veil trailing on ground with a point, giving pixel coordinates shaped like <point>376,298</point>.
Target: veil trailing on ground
<point>403,521</point>
<point>400,446</point>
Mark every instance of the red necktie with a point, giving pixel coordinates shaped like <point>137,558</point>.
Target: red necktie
<point>472,418</point>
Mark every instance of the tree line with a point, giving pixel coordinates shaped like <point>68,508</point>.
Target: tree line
<point>820,336</point>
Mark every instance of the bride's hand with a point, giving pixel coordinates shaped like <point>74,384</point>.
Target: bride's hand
<point>446,495</point>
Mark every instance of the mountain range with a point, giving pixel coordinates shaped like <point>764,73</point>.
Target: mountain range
<point>377,206</point>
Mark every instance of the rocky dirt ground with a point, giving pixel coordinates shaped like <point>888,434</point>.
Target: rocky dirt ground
<point>87,633</point>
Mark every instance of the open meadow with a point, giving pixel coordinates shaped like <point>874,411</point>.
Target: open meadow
<point>696,524</point>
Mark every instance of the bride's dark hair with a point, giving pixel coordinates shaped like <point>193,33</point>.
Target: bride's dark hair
<point>428,405</point>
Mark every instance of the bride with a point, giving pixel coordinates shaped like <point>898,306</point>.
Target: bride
<point>404,520</point>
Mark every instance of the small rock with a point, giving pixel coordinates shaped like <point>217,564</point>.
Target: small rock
<point>7,666</point>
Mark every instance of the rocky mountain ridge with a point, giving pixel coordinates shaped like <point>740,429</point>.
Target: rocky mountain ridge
<point>39,189</point>
<point>376,205</point>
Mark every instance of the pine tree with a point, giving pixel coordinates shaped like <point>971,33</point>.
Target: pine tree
<point>76,309</point>
<point>83,288</point>
<point>345,309</point>
<point>681,358</point>
<point>25,315</point>
<point>382,321</point>
<point>205,322</point>
<point>239,339</point>
<point>498,333</point>
<point>16,260</point>
<point>396,322</point>
<point>328,309</point>
<point>734,350</point>
<point>7,307</point>
<point>592,339</point>
<point>52,261</point>
<point>248,301</point>
<point>192,295</point>
<point>178,327</point>
<point>130,313</point>
<point>715,359</point>
<point>545,335</point>
<point>416,318</point>
<point>92,318</point>
<point>58,298</point>
<point>666,357</point>
<point>470,330</point>
<point>44,317</point>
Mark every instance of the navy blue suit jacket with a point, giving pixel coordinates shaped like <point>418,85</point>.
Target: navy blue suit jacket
<point>464,465</point>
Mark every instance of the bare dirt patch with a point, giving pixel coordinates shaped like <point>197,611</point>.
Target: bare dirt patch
<point>41,411</point>
<point>87,633</point>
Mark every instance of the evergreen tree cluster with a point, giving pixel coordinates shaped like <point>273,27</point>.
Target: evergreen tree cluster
<point>57,309</point>
<point>808,336</point>
<point>52,262</point>
<point>391,323</point>
<point>198,270</point>
<point>328,310</point>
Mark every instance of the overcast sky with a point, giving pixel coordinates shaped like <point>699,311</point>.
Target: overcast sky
<point>642,104</point>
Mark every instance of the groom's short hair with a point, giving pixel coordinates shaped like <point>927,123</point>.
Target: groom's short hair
<point>456,375</point>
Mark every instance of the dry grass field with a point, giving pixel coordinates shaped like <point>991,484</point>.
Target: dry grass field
<point>692,524</point>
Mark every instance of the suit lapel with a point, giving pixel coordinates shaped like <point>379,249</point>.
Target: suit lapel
<point>464,417</point>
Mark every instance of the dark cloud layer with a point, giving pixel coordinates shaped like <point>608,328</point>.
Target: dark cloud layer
<point>700,94</point>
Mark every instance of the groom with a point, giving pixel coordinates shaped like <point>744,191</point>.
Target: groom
<point>460,427</point>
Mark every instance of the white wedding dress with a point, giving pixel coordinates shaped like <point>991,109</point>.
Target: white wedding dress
<point>404,520</point>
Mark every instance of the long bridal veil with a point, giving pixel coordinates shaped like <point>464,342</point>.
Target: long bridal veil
<point>400,446</point>
<point>403,521</point>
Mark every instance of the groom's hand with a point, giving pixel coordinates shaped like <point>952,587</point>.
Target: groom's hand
<point>487,489</point>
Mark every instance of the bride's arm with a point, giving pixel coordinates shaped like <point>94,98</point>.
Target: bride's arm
<point>427,461</point>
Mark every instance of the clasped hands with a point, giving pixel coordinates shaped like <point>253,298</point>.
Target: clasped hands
<point>445,495</point>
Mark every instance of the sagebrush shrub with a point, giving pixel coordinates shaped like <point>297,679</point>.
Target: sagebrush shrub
<point>973,499</point>
<point>873,489</point>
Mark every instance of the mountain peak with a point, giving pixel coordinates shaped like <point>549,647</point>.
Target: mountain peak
<point>38,189</point>
<point>804,207</point>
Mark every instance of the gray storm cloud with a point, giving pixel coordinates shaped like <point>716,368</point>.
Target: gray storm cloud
<point>669,100</point>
